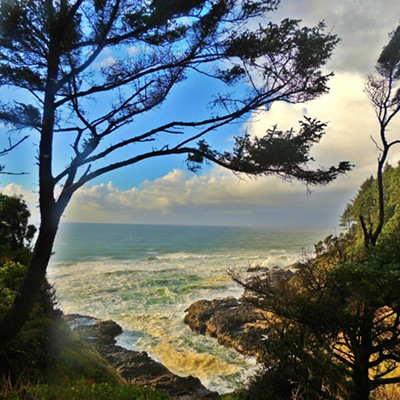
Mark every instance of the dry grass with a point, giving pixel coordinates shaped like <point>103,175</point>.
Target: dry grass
<point>388,392</point>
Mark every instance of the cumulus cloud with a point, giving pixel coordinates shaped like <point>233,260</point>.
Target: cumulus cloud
<point>216,197</point>
<point>106,62</point>
<point>219,197</point>
<point>132,50</point>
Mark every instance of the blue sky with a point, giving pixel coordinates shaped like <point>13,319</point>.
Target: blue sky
<point>163,191</point>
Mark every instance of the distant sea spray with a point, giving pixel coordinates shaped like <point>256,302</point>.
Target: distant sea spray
<point>145,276</point>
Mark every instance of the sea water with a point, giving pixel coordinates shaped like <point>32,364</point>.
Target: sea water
<point>145,276</point>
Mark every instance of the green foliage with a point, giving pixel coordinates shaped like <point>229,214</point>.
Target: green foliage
<point>170,38</point>
<point>20,116</point>
<point>11,276</point>
<point>389,60</point>
<point>47,352</point>
<point>366,204</point>
<point>229,396</point>
<point>85,390</point>
<point>69,359</point>
<point>293,362</point>
<point>339,313</point>
<point>16,233</point>
<point>102,391</point>
<point>52,54</point>
<point>283,153</point>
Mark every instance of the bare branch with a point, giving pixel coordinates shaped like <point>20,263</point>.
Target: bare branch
<point>12,146</point>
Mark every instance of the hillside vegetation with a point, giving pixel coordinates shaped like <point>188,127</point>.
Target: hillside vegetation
<point>335,324</point>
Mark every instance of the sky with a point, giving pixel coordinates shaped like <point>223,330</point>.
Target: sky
<point>163,191</point>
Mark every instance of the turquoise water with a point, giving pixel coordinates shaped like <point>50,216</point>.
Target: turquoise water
<point>145,276</point>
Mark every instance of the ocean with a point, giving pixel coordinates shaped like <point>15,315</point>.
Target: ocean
<point>145,276</point>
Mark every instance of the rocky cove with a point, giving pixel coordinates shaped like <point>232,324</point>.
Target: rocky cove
<point>233,322</point>
<point>135,367</point>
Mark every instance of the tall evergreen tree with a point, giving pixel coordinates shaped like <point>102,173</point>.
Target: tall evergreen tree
<point>383,90</point>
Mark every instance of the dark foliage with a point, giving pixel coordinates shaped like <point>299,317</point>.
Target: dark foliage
<point>16,234</point>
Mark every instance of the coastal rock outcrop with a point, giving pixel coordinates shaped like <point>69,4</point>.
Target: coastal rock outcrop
<point>136,367</point>
<point>237,323</point>
<point>233,322</point>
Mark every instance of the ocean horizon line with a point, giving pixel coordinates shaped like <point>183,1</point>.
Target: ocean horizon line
<point>333,228</point>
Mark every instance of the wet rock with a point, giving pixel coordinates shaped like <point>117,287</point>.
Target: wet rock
<point>136,367</point>
<point>237,323</point>
<point>93,330</point>
<point>234,322</point>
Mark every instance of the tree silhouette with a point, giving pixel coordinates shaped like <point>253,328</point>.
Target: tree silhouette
<point>51,51</point>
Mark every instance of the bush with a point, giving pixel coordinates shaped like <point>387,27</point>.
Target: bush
<point>11,275</point>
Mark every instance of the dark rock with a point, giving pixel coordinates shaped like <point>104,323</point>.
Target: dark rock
<point>136,367</point>
<point>235,323</point>
<point>99,332</point>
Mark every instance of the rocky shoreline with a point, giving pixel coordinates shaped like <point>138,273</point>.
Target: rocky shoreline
<point>135,367</point>
<point>235,323</point>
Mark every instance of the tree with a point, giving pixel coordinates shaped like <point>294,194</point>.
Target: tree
<point>342,306</point>
<point>50,51</point>
<point>15,233</point>
<point>383,90</point>
<point>334,325</point>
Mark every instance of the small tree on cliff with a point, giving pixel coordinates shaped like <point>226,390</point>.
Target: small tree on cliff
<point>50,51</point>
<point>383,90</point>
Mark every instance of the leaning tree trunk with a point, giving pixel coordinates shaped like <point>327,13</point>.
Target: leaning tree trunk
<point>50,209</point>
<point>20,311</point>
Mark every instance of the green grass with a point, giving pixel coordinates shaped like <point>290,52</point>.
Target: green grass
<point>85,391</point>
<point>70,359</point>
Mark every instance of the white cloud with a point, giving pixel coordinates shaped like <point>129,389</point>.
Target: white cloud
<point>220,197</point>
<point>216,197</point>
<point>132,50</point>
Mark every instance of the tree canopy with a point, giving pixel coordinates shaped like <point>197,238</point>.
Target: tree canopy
<point>52,54</point>
<point>383,90</point>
